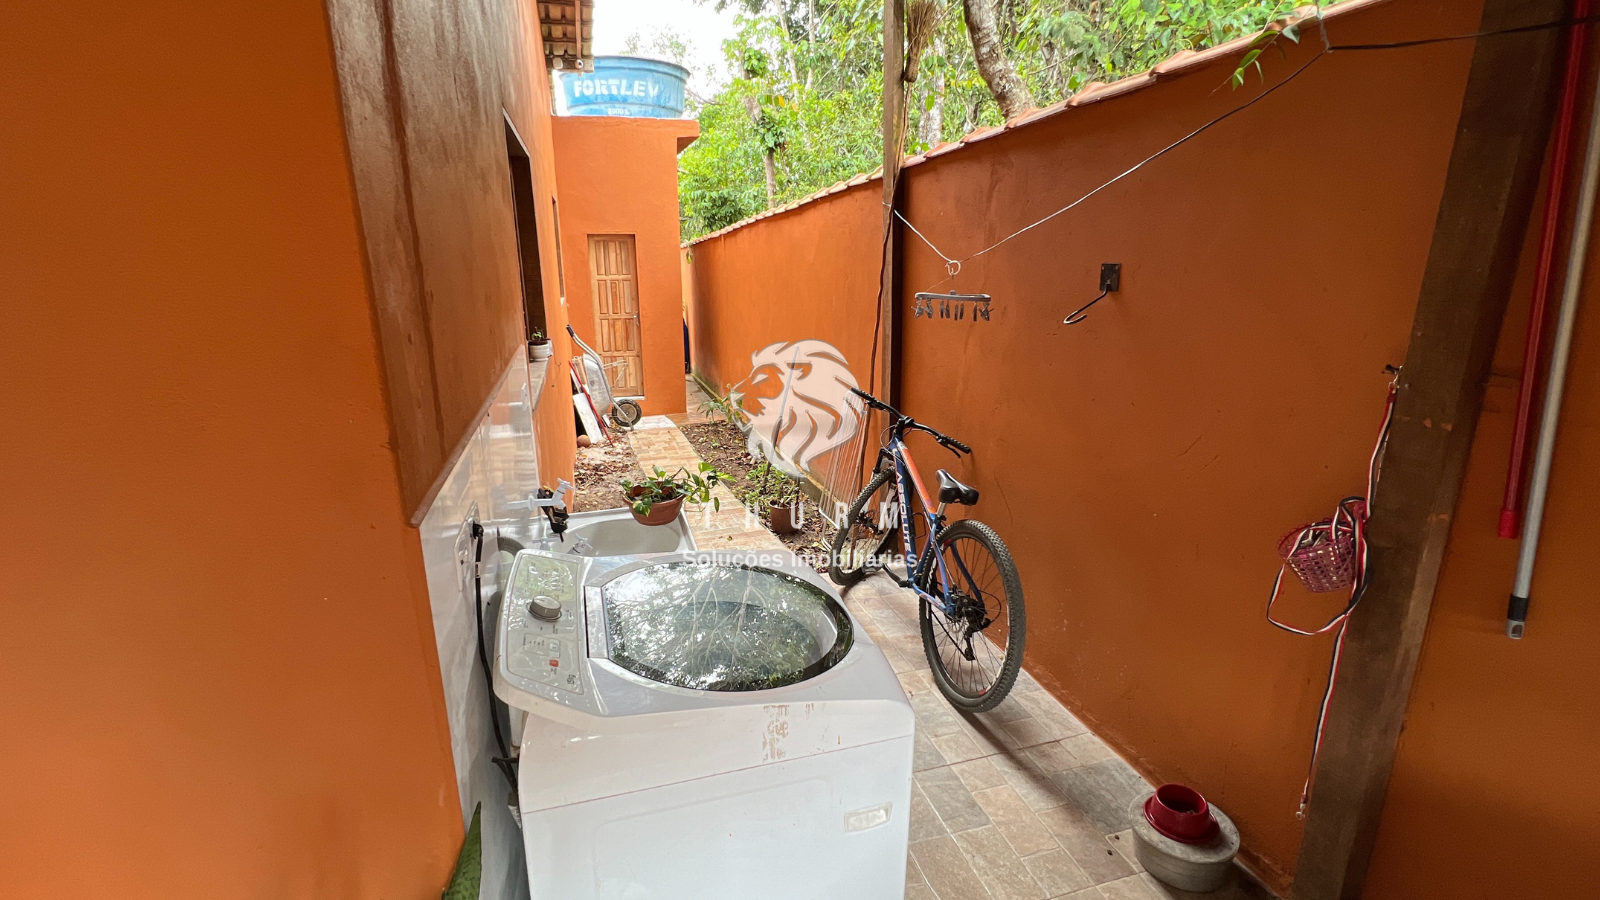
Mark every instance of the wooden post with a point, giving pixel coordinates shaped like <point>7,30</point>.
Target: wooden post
<point>893,122</point>
<point>1483,217</point>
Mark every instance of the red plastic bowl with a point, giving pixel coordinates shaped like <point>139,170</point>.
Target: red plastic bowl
<point>1179,812</point>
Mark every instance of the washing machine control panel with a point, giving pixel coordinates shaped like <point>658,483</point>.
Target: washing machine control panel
<point>543,614</point>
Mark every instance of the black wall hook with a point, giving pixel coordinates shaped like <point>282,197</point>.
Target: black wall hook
<point>1110,281</point>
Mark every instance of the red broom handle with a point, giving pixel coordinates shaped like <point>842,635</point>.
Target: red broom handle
<point>1577,38</point>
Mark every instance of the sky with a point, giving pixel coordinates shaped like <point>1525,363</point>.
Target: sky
<point>699,24</point>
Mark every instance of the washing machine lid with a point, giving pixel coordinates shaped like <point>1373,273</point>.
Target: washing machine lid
<point>721,626</point>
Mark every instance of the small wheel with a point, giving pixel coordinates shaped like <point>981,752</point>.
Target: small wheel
<point>627,413</point>
<point>868,529</point>
<point>976,653</point>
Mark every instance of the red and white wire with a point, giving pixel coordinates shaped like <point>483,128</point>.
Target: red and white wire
<point>1355,509</point>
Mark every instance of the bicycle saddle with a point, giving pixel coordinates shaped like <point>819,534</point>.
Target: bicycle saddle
<point>953,491</point>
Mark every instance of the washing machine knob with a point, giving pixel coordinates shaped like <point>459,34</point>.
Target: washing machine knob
<point>543,607</point>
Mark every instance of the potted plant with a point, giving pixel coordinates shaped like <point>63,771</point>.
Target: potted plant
<point>657,499</point>
<point>778,494</point>
<point>538,346</point>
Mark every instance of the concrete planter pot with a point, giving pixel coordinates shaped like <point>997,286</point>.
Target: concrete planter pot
<point>539,350</point>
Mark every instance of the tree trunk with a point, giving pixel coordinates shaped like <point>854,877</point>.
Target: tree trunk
<point>997,71</point>
<point>930,127</point>
<point>768,161</point>
<point>787,45</point>
<point>811,41</point>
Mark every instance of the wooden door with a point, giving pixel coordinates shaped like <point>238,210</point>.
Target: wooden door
<point>616,311</point>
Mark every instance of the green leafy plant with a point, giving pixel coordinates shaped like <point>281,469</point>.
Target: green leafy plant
<point>727,408</point>
<point>771,486</point>
<point>537,338</point>
<point>660,487</point>
<point>464,881</point>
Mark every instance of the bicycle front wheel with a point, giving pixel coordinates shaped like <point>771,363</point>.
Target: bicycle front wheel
<point>974,644</point>
<point>867,532</point>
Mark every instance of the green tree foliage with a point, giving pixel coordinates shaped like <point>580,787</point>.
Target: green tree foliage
<point>806,80</point>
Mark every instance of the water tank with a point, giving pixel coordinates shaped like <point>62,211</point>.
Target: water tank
<point>626,86</point>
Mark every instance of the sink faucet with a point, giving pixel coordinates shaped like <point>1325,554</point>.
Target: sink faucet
<point>554,505</point>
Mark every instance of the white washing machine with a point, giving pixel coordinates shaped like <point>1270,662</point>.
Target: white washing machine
<point>701,728</point>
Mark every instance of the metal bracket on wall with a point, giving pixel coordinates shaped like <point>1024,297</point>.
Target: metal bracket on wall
<point>952,306</point>
<point>1110,282</point>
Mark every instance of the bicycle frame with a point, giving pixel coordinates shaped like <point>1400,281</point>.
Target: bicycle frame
<point>906,476</point>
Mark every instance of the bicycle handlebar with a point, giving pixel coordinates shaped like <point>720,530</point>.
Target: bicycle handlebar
<point>904,423</point>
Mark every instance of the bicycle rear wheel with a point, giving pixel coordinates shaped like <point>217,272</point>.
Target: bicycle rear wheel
<point>976,652</point>
<point>867,532</point>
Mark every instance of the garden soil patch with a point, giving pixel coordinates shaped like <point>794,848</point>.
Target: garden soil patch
<point>724,446</point>
<point>599,471</point>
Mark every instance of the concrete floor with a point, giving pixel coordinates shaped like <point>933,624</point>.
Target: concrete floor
<point>1019,803</point>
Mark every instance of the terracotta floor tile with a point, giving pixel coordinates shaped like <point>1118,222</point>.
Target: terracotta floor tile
<point>913,874</point>
<point>1034,786</point>
<point>895,626</point>
<point>979,774</point>
<point>1031,732</point>
<point>925,822</point>
<point>934,715</point>
<point>990,738</point>
<point>946,868</point>
<point>1009,710</point>
<point>957,747</point>
<point>951,799</point>
<point>1052,757</point>
<point>997,865</point>
<point>1088,749</point>
<point>1104,791</point>
<point>1015,820</point>
<point>1134,887</point>
<point>1055,871</point>
<point>1087,845</point>
<point>924,755</point>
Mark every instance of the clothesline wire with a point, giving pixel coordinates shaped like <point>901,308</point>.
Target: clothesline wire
<point>953,265</point>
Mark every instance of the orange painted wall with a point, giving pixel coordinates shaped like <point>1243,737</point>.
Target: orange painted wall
<point>218,676</point>
<point>620,176</point>
<point>431,178</point>
<point>1143,465</point>
<point>807,274</point>
<point>1491,791</point>
<point>217,670</point>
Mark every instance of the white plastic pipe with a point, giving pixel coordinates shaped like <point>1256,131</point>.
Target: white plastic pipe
<point>1517,611</point>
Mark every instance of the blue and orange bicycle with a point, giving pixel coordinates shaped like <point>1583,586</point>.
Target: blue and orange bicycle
<point>969,595</point>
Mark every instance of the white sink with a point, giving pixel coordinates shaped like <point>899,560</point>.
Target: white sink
<point>614,532</point>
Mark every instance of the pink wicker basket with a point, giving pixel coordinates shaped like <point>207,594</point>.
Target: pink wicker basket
<point>1323,554</point>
